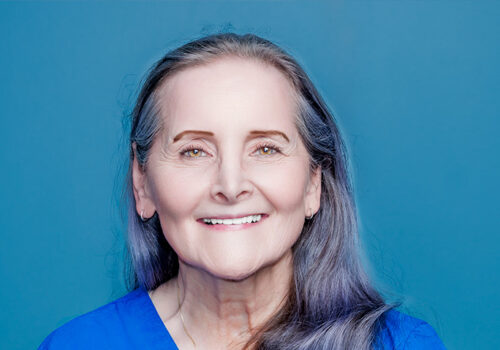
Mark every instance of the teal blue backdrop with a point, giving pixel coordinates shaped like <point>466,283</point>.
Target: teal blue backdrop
<point>414,85</point>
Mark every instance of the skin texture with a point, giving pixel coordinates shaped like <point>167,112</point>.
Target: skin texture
<point>231,280</point>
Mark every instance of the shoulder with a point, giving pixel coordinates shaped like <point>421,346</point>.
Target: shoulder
<point>101,328</point>
<point>398,330</point>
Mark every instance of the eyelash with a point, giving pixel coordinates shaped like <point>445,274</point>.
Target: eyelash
<point>258,147</point>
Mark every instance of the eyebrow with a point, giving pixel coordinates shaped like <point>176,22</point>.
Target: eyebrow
<point>252,133</point>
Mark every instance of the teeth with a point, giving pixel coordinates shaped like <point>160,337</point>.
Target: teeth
<point>244,220</point>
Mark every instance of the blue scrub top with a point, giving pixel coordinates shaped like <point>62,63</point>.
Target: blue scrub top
<point>132,322</point>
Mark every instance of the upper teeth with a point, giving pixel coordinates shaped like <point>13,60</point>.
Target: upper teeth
<point>243,220</point>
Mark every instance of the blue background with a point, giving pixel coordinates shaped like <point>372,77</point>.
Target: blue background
<point>414,85</point>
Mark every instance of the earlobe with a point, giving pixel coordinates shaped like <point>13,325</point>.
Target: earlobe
<point>143,203</point>
<point>315,191</point>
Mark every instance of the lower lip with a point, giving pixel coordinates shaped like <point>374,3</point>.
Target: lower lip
<point>222,227</point>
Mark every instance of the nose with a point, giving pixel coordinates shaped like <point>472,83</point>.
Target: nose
<point>231,184</point>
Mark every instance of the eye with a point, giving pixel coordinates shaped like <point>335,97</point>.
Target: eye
<point>196,151</point>
<point>269,149</point>
<point>192,152</point>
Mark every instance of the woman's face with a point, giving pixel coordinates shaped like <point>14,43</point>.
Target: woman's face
<point>245,158</point>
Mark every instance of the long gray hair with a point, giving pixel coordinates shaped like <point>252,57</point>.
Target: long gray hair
<point>331,303</point>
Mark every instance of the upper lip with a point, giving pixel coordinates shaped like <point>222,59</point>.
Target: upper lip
<point>235,216</point>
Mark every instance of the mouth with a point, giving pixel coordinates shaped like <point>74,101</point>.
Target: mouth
<point>233,223</point>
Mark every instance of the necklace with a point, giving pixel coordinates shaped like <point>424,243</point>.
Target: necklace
<point>180,313</point>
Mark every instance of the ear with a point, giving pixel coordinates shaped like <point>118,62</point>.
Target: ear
<point>313,193</point>
<point>143,200</point>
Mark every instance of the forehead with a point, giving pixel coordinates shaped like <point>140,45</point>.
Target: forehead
<point>230,93</point>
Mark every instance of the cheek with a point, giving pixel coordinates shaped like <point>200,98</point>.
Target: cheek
<point>177,192</point>
<point>283,185</point>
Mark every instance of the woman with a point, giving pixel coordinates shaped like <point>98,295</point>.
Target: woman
<point>242,221</point>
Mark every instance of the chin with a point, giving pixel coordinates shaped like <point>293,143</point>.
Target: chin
<point>233,271</point>
<point>233,277</point>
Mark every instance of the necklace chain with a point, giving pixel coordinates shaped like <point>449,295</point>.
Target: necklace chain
<point>180,313</point>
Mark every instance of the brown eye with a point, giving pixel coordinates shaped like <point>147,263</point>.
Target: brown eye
<point>192,152</point>
<point>268,149</point>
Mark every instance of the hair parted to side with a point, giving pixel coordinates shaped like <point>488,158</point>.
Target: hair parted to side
<point>331,302</point>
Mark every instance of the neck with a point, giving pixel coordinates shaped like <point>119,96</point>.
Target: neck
<point>233,309</point>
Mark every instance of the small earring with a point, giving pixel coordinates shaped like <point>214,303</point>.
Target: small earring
<point>310,216</point>
<point>142,218</point>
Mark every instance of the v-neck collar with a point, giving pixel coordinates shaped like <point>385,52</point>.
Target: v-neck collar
<point>150,324</point>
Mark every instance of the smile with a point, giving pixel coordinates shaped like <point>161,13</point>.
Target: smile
<point>238,221</point>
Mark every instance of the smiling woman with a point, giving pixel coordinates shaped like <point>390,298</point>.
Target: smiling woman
<point>242,224</point>
<point>229,170</point>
